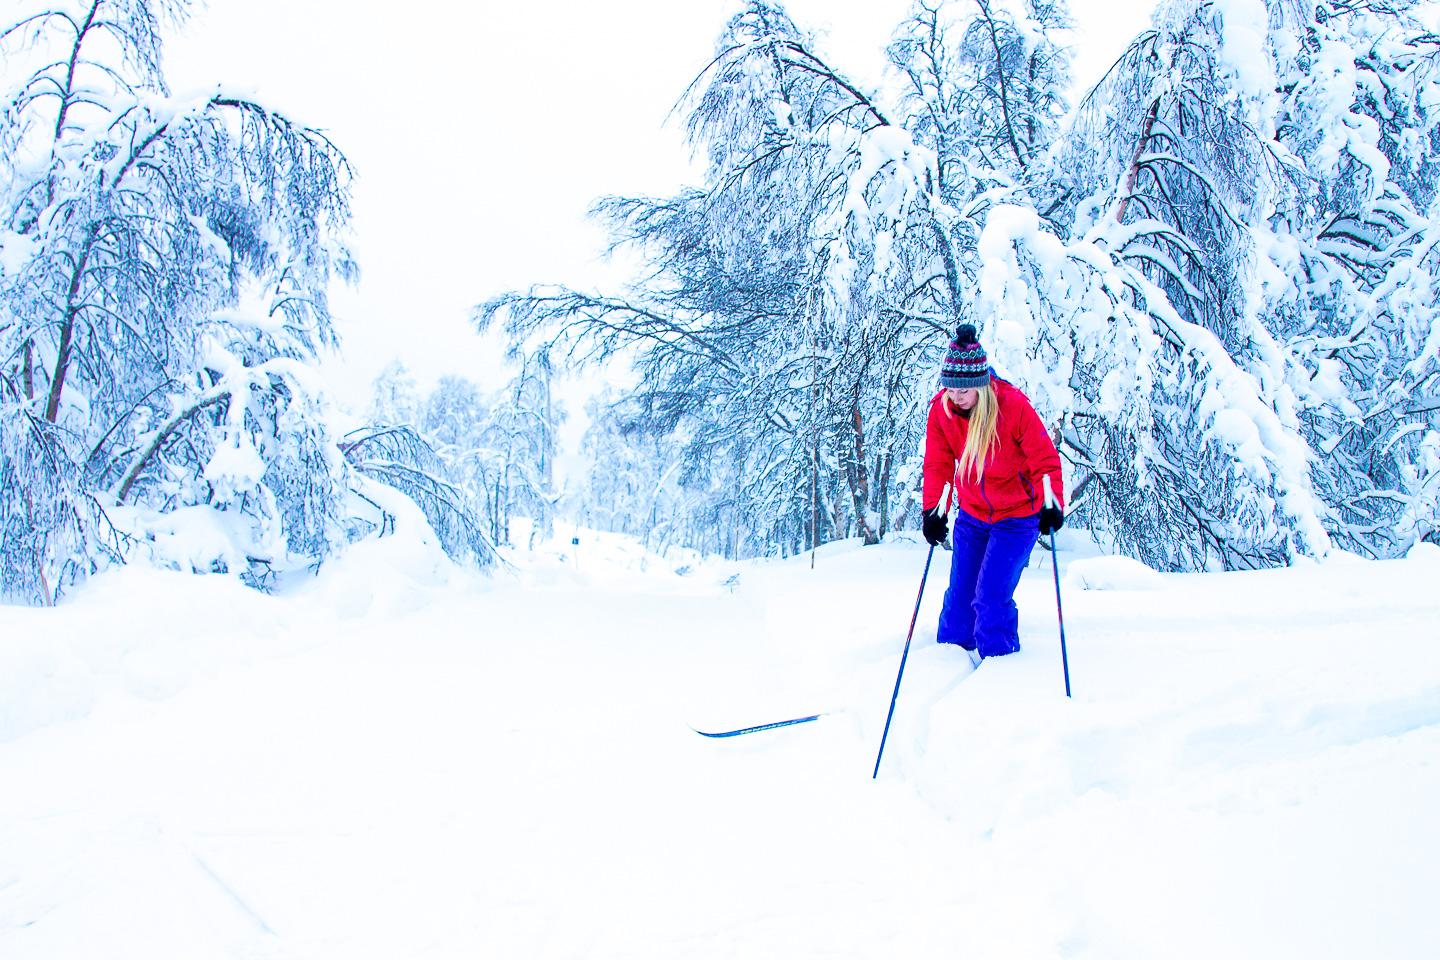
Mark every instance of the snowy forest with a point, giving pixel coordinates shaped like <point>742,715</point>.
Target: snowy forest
<point>1213,274</point>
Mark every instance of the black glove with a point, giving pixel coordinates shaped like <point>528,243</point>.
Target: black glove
<point>1051,519</point>
<point>935,526</point>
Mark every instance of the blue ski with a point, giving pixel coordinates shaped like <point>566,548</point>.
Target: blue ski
<point>756,729</point>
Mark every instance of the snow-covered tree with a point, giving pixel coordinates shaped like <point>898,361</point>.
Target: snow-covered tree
<point>632,481</point>
<point>395,397</point>
<point>1233,159</point>
<point>770,336</point>
<point>985,86</point>
<point>164,268</point>
<point>1212,277</point>
<point>400,457</point>
<point>472,460</point>
<point>1346,270</point>
<point>516,449</point>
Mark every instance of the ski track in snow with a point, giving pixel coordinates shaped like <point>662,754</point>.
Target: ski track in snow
<point>391,763</point>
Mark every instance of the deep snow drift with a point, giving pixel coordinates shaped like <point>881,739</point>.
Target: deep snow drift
<point>401,760</point>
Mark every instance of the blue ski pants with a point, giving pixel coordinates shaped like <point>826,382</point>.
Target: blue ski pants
<point>979,611</point>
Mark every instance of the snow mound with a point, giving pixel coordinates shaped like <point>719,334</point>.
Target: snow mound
<point>1112,573</point>
<point>131,631</point>
<point>1424,552</point>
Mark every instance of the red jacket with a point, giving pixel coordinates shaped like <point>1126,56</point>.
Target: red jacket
<point>1010,485</point>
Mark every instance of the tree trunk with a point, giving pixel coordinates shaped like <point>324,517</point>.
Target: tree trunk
<point>883,494</point>
<point>67,329</point>
<point>161,436</point>
<point>62,361</point>
<point>1004,88</point>
<point>814,497</point>
<point>495,522</point>
<point>1134,172</point>
<point>859,478</point>
<point>547,460</point>
<point>45,593</point>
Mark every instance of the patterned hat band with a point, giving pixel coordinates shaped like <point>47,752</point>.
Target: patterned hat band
<point>965,365</point>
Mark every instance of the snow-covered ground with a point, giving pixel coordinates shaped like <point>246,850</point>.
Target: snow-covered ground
<point>401,760</point>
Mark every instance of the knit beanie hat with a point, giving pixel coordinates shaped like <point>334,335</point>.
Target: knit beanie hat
<point>965,365</point>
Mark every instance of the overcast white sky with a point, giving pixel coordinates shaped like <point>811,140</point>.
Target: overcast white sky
<point>482,132</point>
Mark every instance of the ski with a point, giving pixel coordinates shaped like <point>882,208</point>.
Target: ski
<point>716,735</point>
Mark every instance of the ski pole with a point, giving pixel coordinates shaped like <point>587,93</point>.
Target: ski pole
<point>904,654</point>
<point>1059,611</point>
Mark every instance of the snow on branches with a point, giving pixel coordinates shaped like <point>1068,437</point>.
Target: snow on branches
<point>164,268</point>
<point>1214,275</point>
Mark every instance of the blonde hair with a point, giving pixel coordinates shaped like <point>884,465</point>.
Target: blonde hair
<point>981,436</point>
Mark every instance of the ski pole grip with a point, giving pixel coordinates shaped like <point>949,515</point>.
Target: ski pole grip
<point>945,501</point>
<point>1049,493</point>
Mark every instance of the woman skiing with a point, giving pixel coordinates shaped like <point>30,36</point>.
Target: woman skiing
<point>984,437</point>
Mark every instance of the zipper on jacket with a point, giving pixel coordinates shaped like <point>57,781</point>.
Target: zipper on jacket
<point>1029,489</point>
<point>986,497</point>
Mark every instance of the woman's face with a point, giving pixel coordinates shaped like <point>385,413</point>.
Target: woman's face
<point>963,399</point>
